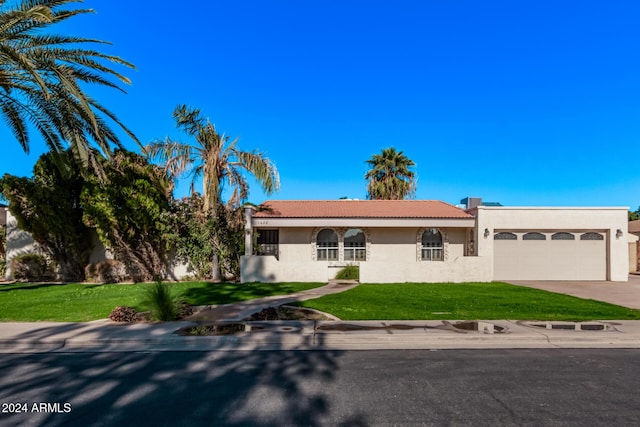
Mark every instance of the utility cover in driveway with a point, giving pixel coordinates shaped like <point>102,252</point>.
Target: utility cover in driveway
<point>565,255</point>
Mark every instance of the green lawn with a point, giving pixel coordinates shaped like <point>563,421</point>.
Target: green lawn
<point>84,302</point>
<point>464,301</point>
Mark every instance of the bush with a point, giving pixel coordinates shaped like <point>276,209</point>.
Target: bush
<point>106,271</point>
<point>122,313</point>
<point>3,268</point>
<point>31,268</point>
<point>350,272</point>
<point>163,304</point>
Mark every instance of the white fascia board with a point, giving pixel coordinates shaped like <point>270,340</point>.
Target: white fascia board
<point>558,208</point>
<point>363,222</point>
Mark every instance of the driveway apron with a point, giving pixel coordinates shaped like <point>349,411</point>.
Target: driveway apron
<point>625,294</point>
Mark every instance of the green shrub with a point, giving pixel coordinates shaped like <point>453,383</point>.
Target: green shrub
<point>31,268</point>
<point>350,272</point>
<point>163,304</point>
<point>106,271</point>
<point>3,268</point>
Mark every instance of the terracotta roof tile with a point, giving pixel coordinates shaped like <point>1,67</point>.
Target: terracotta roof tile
<point>360,209</point>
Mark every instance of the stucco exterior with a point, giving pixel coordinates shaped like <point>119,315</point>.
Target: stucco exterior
<point>392,256</point>
<point>394,244</point>
<point>19,242</point>
<point>611,221</point>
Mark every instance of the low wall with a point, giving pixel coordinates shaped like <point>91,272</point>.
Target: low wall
<point>457,270</point>
<point>268,269</point>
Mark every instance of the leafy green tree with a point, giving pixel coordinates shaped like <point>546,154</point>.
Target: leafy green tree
<point>390,176</point>
<point>195,237</point>
<point>213,158</point>
<point>127,207</point>
<point>634,215</point>
<point>41,79</point>
<point>48,206</point>
<point>218,161</point>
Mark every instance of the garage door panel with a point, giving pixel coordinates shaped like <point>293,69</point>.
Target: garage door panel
<point>550,259</point>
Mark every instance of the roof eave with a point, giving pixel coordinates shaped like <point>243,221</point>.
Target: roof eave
<point>361,222</point>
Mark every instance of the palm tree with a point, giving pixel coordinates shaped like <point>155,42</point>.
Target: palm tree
<point>390,177</point>
<point>213,158</point>
<point>41,75</point>
<point>218,162</point>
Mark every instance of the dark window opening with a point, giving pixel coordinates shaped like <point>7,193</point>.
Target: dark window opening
<point>267,242</point>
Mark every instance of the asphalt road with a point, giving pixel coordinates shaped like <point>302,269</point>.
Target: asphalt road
<point>323,388</point>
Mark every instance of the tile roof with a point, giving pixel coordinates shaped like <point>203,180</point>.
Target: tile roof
<point>359,209</point>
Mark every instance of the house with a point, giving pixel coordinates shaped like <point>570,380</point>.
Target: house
<point>634,246</point>
<point>3,214</point>
<point>433,241</point>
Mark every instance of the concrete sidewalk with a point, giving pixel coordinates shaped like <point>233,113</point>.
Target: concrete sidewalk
<point>107,336</point>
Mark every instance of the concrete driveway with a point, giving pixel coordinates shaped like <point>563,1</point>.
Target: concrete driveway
<point>625,294</point>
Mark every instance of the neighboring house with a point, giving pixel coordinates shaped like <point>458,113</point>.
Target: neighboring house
<point>432,241</point>
<point>3,214</point>
<point>18,241</point>
<point>634,247</point>
<point>634,227</point>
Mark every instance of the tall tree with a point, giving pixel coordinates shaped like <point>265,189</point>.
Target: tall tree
<point>41,79</point>
<point>390,176</point>
<point>48,206</point>
<point>218,161</point>
<point>127,209</point>
<point>214,158</point>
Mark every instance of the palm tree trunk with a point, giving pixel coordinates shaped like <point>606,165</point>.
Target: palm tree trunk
<point>215,268</point>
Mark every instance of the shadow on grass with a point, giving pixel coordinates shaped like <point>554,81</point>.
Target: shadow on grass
<point>27,286</point>
<point>226,293</point>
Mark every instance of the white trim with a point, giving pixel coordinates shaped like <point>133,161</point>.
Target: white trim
<point>363,222</point>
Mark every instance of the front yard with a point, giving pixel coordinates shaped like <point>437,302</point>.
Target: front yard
<point>407,301</point>
<point>463,301</point>
<point>27,302</point>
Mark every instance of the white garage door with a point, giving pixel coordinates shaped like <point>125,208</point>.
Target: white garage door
<point>550,256</point>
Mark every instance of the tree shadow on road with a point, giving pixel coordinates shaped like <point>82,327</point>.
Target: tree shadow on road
<point>229,387</point>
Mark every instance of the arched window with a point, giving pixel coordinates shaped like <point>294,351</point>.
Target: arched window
<point>563,236</point>
<point>592,236</point>
<point>432,249</point>
<point>534,236</point>
<point>355,245</point>
<point>327,245</point>
<point>505,236</point>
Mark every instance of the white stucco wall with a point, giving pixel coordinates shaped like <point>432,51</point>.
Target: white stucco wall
<point>392,257</point>
<point>19,242</point>
<point>607,220</point>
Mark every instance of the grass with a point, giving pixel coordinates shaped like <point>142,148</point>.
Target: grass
<point>465,301</point>
<point>27,302</point>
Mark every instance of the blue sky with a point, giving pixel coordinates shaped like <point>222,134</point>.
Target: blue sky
<point>520,102</point>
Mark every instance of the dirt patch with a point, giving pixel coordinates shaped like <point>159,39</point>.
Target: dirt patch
<point>203,330</point>
<point>286,312</point>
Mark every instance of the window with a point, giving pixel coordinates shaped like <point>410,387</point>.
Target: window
<point>592,236</point>
<point>327,245</point>
<point>267,242</point>
<point>563,236</point>
<point>355,247</point>
<point>432,249</point>
<point>505,236</point>
<point>534,236</point>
